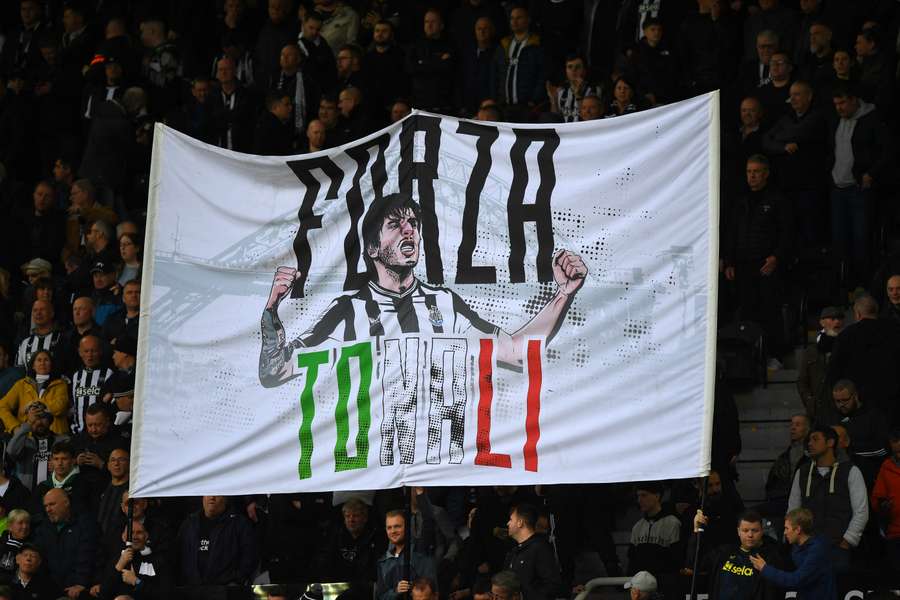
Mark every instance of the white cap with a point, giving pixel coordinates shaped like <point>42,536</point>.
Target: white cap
<point>642,581</point>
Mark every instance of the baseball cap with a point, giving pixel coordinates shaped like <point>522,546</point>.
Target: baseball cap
<point>642,581</point>
<point>103,267</point>
<point>832,312</point>
<point>126,344</point>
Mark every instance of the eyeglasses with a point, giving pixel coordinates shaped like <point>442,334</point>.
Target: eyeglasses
<point>118,460</point>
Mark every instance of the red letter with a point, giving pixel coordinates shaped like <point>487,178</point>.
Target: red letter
<point>484,456</point>
<point>532,416</point>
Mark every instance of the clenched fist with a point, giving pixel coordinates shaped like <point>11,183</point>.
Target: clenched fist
<point>281,285</point>
<point>569,272</point>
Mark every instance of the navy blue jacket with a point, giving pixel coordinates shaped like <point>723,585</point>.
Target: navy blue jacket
<point>813,578</point>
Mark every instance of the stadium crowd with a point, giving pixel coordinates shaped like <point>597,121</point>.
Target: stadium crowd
<point>807,207</point>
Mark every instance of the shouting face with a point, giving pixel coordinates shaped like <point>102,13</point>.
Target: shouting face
<point>399,243</point>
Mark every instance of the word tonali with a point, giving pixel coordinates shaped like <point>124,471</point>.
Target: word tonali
<point>445,362</point>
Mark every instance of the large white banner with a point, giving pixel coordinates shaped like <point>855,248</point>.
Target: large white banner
<point>444,302</point>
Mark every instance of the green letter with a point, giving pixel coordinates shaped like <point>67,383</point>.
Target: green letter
<point>310,361</point>
<point>342,462</point>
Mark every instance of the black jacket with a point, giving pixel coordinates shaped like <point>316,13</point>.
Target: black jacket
<point>272,137</point>
<point>232,550</point>
<point>868,354</point>
<point>805,169</point>
<point>68,551</point>
<point>347,559</point>
<point>239,116</point>
<point>156,580</point>
<point>722,556</point>
<point>41,587</point>
<point>760,225</point>
<point>534,562</point>
<point>430,65</point>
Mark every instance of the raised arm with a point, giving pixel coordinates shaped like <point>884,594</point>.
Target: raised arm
<point>569,272</point>
<point>275,353</point>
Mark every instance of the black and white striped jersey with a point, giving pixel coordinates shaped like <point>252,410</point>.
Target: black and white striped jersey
<point>377,312</point>
<point>86,384</point>
<point>34,343</point>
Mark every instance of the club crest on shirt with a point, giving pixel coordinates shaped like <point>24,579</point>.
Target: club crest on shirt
<point>435,316</point>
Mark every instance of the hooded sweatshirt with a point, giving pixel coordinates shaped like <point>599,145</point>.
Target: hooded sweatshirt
<point>842,171</point>
<point>887,486</point>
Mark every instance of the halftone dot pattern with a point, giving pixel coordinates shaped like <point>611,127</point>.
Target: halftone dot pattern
<point>442,352</point>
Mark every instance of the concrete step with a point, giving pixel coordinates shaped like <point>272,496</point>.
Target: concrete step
<point>752,483</point>
<point>777,402</point>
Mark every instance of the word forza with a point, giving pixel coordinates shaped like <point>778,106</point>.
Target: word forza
<point>446,366</point>
<point>422,174</point>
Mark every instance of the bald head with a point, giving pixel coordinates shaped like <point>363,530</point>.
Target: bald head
<point>866,307</point>
<point>57,505</point>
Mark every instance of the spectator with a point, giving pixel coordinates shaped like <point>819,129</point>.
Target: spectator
<point>709,45</point>
<point>319,57</point>
<point>623,99</point>
<point>93,447</point>
<point>31,444</point>
<point>83,211</point>
<point>815,57</point>
<point>110,140</point>
<point>328,114</point>
<point>315,136</point>
<point>384,63</point>
<point>813,576</point>
<point>720,513</point>
<point>860,161</point>
<point>29,580</point>
<point>87,380</point>
<point>41,233</point>
<point>566,100</point>
<point>234,48</point>
<point>42,384</point>
<point>125,322</point>
<point>111,497</point>
<point>83,324</point>
<point>478,77</point>
<point>430,64</point>
<point>797,145</point>
<point>651,65</point>
<point>393,579</point>
<point>350,554</point>
<point>44,334</point>
<point>278,31</point>
<point>65,476</point>
<point>505,585</point>
<point>833,491</point>
<point>771,16</point>
<point>866,427</point>
<point>195,116</point>
<point>812,377</point>
<point>754,72</point>
<point>885,499</point>
<point>532,559</point>
<point>869,353</point>
<point>353,123</point>
<point>13,495</point>
<point>274,134</point>
<point>656,537</point>
<point>162,65</point>
<point>891,309</point>
<point>739,145</point>
<point>137,571</point>
<point>876,77</point>
<point>292,81</point>
<point>233,109</point>
<point>340,23</point>
<point>761,228</point>
<point>522,70</point>
<point>591,109</point>
<point>21,50</point>
<point>775,93</point>
<point>217,546</point>
<point>68,540</point>
<point>349,68</point>
<point>117,392</point>
<point>642,586</point>
<point>400,110</point>
<point>160,532</point>
<point>131,255</point>
<point>107,291</point>
<point>424,589</point>
<point>17,534</point>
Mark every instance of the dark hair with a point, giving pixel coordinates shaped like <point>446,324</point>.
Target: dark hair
<point>872,36</point>
<point>894,435</point>
<point>827,432</point>
<point>654,487</point>
<point>482,585</point>
<point>381,209</point>
<point>395,513</point>
<point>844,90</point>
<point>98,408</point>
<point>575,56</point>
<point>138,240</point>
<point>354,49</point>
<point>423,583</point>
<point>507,580</point>
<point>30,369</point>
<point>751,516</point>
<point>63,447</point>
<point>313,15</point>
<point>274,97</point>
<point>651,21</point>
<point>43,283</point>
<point>528,513</point>
<point>760,159</point>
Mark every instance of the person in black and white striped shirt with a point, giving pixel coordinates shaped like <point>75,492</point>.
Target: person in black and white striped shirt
<point>87,381</point>
<point>395,303</point>
<point>44,335</point>
<point>566,99</point>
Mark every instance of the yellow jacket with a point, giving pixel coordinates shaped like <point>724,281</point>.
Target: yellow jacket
<point>14,404</point>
